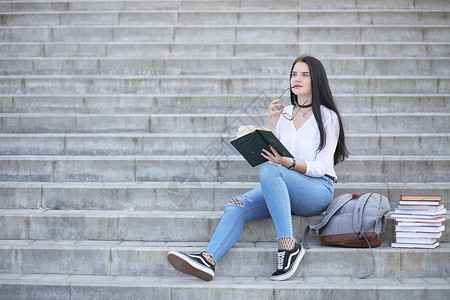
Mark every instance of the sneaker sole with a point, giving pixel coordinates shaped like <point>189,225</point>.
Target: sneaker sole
<point>186,265</point>
<point>292,271</point>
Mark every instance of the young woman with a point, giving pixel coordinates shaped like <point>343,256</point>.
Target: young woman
<point>311,129</point>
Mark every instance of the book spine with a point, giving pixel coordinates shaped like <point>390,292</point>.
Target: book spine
<point>409,245</point>
<point>421,197</point>
<point>421,212</point>
<point>420,229</point>
<point>416,241</point>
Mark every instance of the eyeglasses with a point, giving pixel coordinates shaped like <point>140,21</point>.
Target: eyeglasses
<point>291,117</point>
<point>286,115</point>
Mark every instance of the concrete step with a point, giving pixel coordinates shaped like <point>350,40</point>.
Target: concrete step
<point>115,258</point>
<point>191,5</point>
<point>226,33</point>
<point>368,123</point>
<point>219,66</point>
<point>182,195</point>
<point>208,168</point>
<point>156,287</point>
<point>229,17</point>
<point>113,225</point>
<point>229,49</point>
<point>213,84</point>
<point>212,103</point>
<point>234,287</point>
<point>150,226</point>
<point>195,143</point>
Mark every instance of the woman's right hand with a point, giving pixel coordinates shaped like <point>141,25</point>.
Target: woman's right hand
<point>273,113</point>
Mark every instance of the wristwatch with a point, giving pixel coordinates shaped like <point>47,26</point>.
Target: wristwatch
<point>293,164</point>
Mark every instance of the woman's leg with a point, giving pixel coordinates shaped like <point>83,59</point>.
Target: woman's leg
<point>247,207</point>
<point>287,191</point>
<point>284,191</point>
<point>250,206</point>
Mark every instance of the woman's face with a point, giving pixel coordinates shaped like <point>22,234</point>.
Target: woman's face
<point>301,81</point>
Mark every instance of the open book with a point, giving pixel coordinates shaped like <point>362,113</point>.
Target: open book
<point>250,141</point>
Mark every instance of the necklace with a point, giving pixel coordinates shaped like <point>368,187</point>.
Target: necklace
<point>300,107</point>
<point>305,113</point>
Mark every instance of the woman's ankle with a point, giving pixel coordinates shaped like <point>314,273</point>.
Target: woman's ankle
<point>286,243</point>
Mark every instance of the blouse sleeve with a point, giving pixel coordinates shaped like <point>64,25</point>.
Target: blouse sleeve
<point>324,159</point>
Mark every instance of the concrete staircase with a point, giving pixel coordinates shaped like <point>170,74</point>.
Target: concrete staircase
<point>115,122</point>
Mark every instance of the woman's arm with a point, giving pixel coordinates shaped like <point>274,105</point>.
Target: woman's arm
<point>325,157</point>
<point>273,115</point>
<point>300,166</point>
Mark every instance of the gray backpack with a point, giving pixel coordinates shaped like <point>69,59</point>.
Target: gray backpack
<point>352,220</point>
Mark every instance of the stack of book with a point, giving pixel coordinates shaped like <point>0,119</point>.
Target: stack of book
<point>419,221</point>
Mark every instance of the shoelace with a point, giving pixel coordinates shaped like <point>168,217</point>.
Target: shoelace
<point>281,255</point>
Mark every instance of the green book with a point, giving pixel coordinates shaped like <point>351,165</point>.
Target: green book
<point>250,141</point>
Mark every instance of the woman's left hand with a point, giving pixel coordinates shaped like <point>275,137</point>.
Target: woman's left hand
<point>275,157</point>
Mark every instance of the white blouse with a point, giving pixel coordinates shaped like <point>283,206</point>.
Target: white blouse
<point>303,143</point>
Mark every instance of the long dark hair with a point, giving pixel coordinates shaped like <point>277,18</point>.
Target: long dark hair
<point>321,95</point>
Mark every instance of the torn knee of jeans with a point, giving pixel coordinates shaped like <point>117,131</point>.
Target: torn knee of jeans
<point>236,202</point>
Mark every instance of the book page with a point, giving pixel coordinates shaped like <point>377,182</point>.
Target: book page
<point>246,129</point>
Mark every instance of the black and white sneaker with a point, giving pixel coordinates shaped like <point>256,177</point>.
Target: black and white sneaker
<point>288,261</point>
<point>192,264</point>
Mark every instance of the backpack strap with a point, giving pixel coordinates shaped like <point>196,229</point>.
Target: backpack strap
<point>332,209</point>
<point>362,236</point>
<point>358,213</point>
<point>305,237</point>
<point>357,223</point>
<point>383,209</point>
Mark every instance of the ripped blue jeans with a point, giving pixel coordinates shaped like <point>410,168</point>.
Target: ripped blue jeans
<point>281,193</point>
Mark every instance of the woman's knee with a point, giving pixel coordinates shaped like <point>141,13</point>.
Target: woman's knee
<point>250,202</point>
<point>235,201</point>
<point>240,201</point>
<point>236,207</point>
<point>268,171</point>
<point>246,208</point>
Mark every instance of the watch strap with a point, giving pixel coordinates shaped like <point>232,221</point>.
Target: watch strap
<point>293,164</point>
